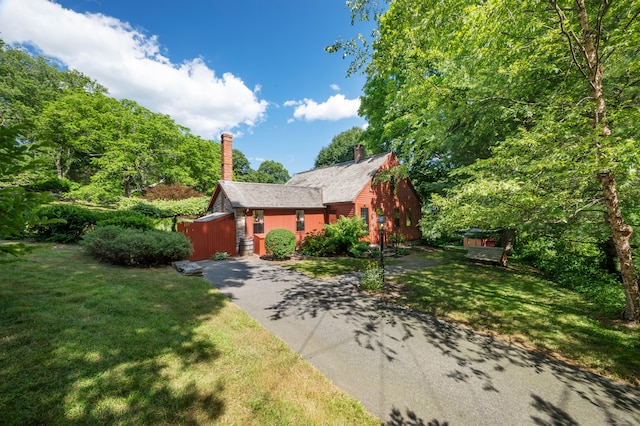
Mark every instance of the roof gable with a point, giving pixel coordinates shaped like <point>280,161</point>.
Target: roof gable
<point>342,182</point>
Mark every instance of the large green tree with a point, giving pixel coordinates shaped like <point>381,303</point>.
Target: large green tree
<point>121,147</point>
<point>269,171</point>
<point>74,127</point>
<point>77,132</point>
<point>340,149</point>
<point>241,165</point>
<point>28,83</point>
<point>197,163</point>
<point>533,104</point>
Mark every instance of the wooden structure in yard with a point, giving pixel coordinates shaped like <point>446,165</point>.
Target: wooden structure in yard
<point>210,235</point>
<point>493,255</point>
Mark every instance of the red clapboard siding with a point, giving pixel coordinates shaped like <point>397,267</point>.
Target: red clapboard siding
<point>208,238</point>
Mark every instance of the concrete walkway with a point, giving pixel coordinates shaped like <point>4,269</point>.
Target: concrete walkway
<point>412,369</point>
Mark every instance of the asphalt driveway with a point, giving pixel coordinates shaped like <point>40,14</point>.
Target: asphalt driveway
<point>412,369</point>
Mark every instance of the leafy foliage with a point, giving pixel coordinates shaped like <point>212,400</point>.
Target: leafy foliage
<point>129,247</point>
<point>150,210</point>
<point>126,219</point>
<point>220,255</point>
<point>176,191</point>
<point>17,205</point>
<point>268,172</point>
<point>340,149</point>
<point>280,243</point>
<point>340,238</point>
<point>241,165</point>
<point>65,223</point>
<point>512,114</point>
<point>372,278</point>
<point>188,207</point>
<point>52,185</point>
<point>578,266</point>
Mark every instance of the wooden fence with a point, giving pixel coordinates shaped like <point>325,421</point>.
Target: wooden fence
<point>209,237</point>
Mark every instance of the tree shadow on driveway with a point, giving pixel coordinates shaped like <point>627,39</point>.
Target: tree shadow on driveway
<point>454,371</point>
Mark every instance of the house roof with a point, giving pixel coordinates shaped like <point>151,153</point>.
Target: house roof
<point>266,195</point>
<point>212,216</point>
<point>340,183</point>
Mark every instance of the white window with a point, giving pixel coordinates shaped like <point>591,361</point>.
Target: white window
<point>258,221</point>
<point>299,220</point>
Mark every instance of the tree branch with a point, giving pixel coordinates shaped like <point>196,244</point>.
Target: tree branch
<point>569,36</point>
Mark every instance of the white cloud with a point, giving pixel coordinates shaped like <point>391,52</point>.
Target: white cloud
<point>335,87</point>
<point>130,64</point>
<point>335,108</point>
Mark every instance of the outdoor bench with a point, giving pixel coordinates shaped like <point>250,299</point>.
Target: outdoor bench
<point>493,255</point>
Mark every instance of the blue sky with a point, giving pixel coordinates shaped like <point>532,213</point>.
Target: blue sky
<point>254,68</point>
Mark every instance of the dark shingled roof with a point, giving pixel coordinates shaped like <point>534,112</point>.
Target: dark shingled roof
<point>270,196</point>
<point>342,182</point>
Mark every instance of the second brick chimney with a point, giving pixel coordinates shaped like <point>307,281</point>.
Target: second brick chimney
<point>358,153</point>
<point>227,156</point>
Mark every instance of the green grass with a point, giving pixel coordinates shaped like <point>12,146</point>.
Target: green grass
<point>88,343</point>
<point>321,267</point>
<point>522,306</point>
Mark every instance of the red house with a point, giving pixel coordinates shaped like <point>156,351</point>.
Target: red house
<point>240,214</point>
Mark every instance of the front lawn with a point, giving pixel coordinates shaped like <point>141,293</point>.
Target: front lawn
<point>517,304</point>
<point>87,343</point>
<point>322,267</point>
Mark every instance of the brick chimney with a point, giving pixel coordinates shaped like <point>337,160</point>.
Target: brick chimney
<point>227,156</point>
<point>358,153</point>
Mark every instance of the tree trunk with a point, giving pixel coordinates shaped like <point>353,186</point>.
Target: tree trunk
<point>127,187</point>
<point>621,235</point>
<point>507,238</point>
<point>610,256</point>
<point>620,231</point>
<point>58,162</point>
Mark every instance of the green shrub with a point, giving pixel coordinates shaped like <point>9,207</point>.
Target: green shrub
<point>150,210</point>
<point>53,185</point>
<point>280,243</point>
<point>337,239</point>
<point>221,255</point>
<point>132,247</point>
<point>345,234</point>
<point>96,193</point>
<point>189,207</point>
<point>126,219</point>
<point>372,278</point>
<point>578,267</point>
<point>66,223</point>
<point>315,244</point>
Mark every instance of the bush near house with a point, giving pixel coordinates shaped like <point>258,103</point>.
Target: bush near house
<point>280,243</point>
<point>132,247</point>
<point>337,239</point>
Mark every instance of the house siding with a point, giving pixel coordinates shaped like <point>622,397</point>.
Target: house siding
<point>384,197</point>
<point>334,211</point>
<point>286,219</point>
